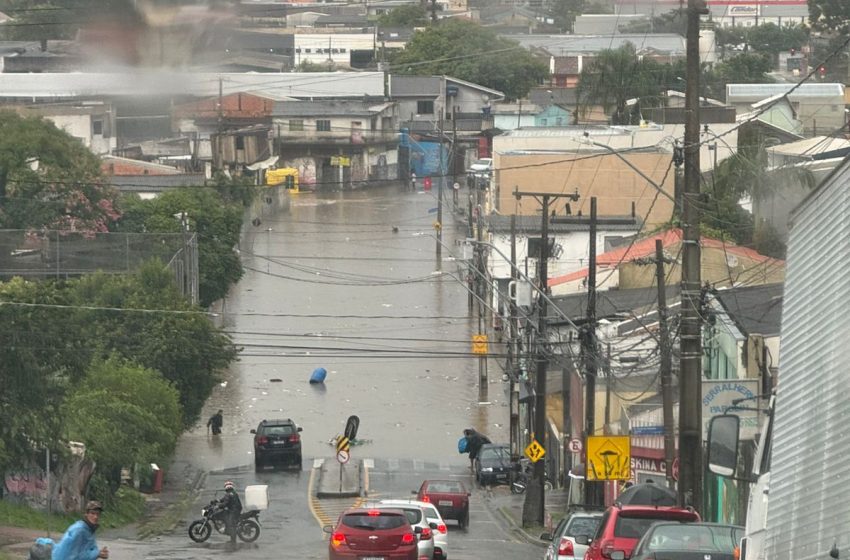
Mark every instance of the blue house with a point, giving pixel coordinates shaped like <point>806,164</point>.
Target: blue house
<point>553,115</point>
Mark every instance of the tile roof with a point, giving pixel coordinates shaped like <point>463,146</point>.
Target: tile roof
<point>646,247</point>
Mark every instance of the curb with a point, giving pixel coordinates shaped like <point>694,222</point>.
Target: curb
<point>519,530</point>
<point>349,494</point>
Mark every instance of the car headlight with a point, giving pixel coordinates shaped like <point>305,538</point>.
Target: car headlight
<point>486,469</point>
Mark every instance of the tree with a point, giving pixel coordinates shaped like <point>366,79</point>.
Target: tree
<point>48,179</point>
<point>411,15</point>
<point>616,76</point>
<point>125,414</point>
<point>216,222</point>
<point>740,69</point>
<point>770,39</point>
<point>470,52</point>
<point>832,16</point>
<point>60,19</point>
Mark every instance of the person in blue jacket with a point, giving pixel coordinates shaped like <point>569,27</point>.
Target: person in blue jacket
<point>78,541</point>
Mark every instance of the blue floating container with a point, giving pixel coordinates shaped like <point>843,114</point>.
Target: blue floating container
<point>318,375</point>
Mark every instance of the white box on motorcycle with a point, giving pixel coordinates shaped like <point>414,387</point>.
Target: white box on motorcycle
<point>256,497</point>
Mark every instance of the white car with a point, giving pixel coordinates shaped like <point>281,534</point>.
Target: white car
<point>564,545</point>
<point>439,533</point>
<point>483,165</point>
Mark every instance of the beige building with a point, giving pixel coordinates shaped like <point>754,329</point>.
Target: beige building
<point>619,190</point>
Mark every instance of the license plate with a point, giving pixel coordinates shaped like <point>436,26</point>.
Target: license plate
<point>278,443</point>
<point>445,503</point>
<point>371,558</point>
<point>502,475</point>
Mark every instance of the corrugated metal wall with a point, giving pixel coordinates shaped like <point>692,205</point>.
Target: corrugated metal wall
<point>810,468</point>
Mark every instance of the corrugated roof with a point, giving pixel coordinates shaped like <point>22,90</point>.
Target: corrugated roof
<point>754,309</point>
<point>202,84</point>
<point>562,45</point>
<point>757,92</point>
<point>811,146</point>
<point>615,303</point>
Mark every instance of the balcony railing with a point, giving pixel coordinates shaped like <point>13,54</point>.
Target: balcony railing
<point>336,137</point>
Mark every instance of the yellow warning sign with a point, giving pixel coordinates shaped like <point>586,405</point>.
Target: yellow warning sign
<point>479,344</point>
<point>608,458</point>
<point>342,443</point>
<point>534,451</point>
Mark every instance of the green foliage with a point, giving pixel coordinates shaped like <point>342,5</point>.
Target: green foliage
<point>184,346</point>
<point>309,66</point>
<point>124,413</point>
<point>16,515</point>
<point>34,347</point>
<point>48,179</point>
<point>412,15</point>
<point>465,50</point>
<point>838,66</point>
<point>216,221</point>
<point>740,69</point>
<point>618,75</point>
<point>832,16</point>
<point>770,39</point>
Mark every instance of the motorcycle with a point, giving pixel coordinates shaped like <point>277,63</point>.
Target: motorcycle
<point>212,516</point>
<point>521,477</point>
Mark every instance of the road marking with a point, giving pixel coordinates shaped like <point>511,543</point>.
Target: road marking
<point>326,512</point>
<point>444,466</point>
<point>368,463</point>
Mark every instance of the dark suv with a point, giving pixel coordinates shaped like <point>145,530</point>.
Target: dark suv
<point>277,441</point>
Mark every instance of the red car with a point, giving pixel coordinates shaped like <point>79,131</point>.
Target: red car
<point>450,497</point>
<point>621,527</point>
<point>362,533</point>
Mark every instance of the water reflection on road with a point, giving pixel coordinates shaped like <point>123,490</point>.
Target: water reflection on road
<point>348,281</point>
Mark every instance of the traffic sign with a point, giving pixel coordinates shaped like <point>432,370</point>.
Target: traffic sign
<point>575,445</point>
<point>351,426</point>
<point>342,443</point>
<point>342,456</point>
<point>675,469</point>
<point>479,344</point>
<point>534,451</point>
<point>608,458</point>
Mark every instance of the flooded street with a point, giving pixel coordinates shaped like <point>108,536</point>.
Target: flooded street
<point>348,281</point>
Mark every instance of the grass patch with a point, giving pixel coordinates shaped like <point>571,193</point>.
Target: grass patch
<point>125,506</point>
<point>5,556</point>
<point>14,515</point>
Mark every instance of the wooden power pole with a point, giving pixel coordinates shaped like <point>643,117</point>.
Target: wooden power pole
<point>690,380</point>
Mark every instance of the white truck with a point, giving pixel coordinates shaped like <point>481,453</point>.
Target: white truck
<point>802,467</point>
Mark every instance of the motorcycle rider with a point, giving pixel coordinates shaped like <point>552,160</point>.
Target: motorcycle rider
<point>232,506</point>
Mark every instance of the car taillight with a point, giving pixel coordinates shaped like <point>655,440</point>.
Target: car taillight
<point>262,440</point>
<point>294,438</point>
<point>426,499</point>
<point>442,528</point>
<point>565,547</point>
<point>426,534</point>
<point>408,538</point>
<point>337,539</point>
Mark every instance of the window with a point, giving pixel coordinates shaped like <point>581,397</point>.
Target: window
<point>308,51</point>
<point>97,127</point>
<point>534,246</point>
<point>342,51</point>
<point>323,125</point>
<point>240,142</point>
<point>296,125</point>
<point>425,107</point>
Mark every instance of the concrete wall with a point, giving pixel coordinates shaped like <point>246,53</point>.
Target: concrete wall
<point>615,185</point>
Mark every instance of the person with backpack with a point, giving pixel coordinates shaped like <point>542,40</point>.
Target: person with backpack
<point>475,441</point>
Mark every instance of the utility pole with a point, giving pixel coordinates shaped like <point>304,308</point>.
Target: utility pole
<point>481,292</point>
<point>439,225</point>
<point>666,372</point>
<point>590,352</point>
<point>690,389</point>
<point>453,158</point>
<point>472,282</point>
<point>535,498</point>
<point>434,12</point>
<point>513,352</point>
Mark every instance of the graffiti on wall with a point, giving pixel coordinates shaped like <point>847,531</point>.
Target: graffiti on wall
<point>67,486</point>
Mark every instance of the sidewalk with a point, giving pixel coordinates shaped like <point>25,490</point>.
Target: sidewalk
<point>163,511</point>
<point>507,507</point>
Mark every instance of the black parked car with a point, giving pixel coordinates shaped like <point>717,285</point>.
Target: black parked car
<point>493,464</point>
<point>277,441</point>
<point>688,541</point>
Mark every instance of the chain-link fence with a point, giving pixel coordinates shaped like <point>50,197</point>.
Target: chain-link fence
<point>60,254</point>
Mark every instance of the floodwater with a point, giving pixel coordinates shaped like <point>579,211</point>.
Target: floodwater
<point>348,281</point>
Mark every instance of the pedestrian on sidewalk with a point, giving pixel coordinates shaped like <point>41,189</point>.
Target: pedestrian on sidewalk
<point>78,542</point>
<point>476,440</point>
<point>413,181</point>
<point>215,422</point>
